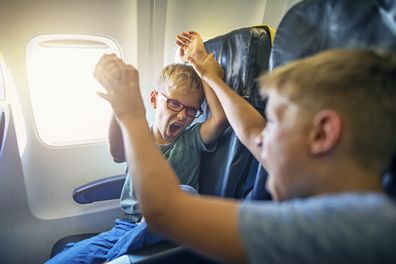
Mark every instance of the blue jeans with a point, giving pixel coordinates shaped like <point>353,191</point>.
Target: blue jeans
<point>121,239</point>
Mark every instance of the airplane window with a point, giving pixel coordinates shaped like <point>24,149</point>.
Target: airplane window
<point>63,91</point>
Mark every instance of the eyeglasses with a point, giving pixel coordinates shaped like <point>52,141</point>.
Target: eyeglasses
<point>177,107</point>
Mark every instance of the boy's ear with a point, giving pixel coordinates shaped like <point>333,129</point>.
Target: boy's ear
<point>153,99</point>
<point>325,132</point>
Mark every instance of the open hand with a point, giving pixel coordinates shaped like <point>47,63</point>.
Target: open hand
<point>121,82</point>
<point>191,45</point>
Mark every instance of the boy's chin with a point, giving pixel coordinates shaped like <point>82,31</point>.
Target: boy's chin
<point>170,137</point>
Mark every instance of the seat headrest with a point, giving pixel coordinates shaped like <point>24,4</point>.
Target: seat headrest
<point>312,26</point>
<point>241,53</point>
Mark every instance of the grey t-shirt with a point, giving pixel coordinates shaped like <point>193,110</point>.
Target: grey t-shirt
<point>183,154</point>
<point>346,228</point>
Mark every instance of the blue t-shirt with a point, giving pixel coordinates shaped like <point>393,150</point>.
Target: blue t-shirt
<point>344,228</point>
<point>183,154</point>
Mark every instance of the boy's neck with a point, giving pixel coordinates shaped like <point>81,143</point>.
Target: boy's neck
<point>351,179</point>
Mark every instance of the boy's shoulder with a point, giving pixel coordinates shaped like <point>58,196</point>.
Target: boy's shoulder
<point>351,217</point>
<point>192,129</point>
<point>346,206</point>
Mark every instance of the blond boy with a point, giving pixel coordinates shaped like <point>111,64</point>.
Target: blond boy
<point>177,102</point>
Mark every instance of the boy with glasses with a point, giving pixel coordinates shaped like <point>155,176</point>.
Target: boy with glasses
<point>177,102</point>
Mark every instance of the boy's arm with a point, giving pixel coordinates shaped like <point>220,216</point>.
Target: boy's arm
<point>217,121</point>
<point>246,121</point>
<point>116,143</point>
<point>207,225</point>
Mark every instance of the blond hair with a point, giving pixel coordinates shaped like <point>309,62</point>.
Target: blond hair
<point>358,84</point>
<point>182,78</point>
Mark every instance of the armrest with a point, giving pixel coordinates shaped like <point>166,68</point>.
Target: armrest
<point>99,190</point>
<point>164,252</point>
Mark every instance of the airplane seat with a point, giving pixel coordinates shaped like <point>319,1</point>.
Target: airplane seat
<point>259,192</point>
<point>311,26</point>
<point>231,170</point>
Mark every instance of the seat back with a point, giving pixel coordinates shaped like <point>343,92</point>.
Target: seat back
<point>314,26</point>
<point>231,170</point>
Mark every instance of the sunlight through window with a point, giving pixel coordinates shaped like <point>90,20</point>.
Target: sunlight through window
<point>63,91</point>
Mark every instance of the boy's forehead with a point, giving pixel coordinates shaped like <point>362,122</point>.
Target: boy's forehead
<point>274,99</point>
<point>187,97</point>
<point>277,103</point>
<point>181,91</point>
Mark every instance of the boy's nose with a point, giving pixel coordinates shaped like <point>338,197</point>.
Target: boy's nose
<point>182,114</point>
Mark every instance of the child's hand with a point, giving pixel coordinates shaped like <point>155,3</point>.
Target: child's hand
<point>121,83</point>
<point>208,67</point>
<point>191,45</point>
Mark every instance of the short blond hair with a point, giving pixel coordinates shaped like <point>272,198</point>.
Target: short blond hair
<point>182,78</point>
<point>358,84</point>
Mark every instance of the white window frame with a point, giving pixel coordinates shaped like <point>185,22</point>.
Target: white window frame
<point>48,133</point>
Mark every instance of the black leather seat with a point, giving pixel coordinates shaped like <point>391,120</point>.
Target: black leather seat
<point>313,26</point>
<point>231,170</point>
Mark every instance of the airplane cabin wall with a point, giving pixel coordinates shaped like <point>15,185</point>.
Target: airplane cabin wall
<point>37,205</point>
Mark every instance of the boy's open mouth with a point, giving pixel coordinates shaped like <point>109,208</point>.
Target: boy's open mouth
<point>175,129</point>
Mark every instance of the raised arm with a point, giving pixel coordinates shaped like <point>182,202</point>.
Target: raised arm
<point>246,121</point>
<point>191,44</point>
<point>116,144</point>
<point>207,225</point>
<point>217,121</point>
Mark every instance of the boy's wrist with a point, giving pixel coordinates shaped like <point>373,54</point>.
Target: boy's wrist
<point>131,118</point>
<point>209,76</point>
<point>200,55</point>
